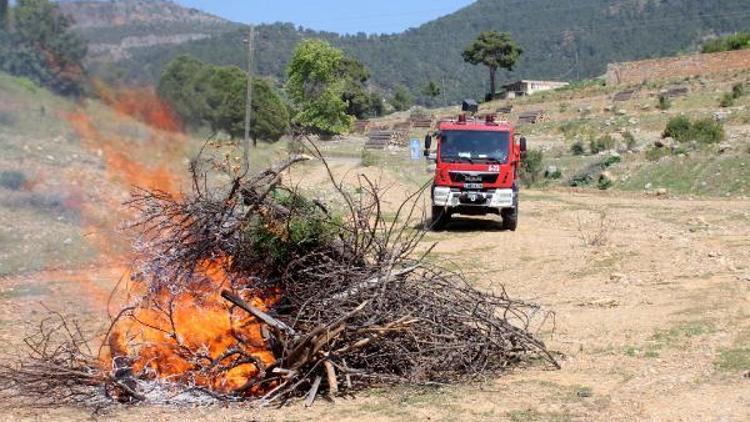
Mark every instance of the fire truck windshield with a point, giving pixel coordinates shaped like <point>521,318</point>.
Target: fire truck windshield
<point>474,146</point>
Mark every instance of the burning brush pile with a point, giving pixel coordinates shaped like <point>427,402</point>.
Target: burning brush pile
<point>256,293</point>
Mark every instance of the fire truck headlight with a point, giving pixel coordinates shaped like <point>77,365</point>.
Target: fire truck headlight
<point>441,196</point>
<point>502,198</point>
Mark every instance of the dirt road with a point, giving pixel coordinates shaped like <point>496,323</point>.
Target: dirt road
<point>652,305</point>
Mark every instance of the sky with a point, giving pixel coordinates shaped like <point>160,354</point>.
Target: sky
<point>342,16</point>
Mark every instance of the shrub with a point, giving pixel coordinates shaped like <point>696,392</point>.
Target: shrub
<point>727,100</point>
<point>604,183</point>
<point>307,228</point>
<point>736,41</point>
<point>369,159</point>
<point>602,144</point>
<point>554,175</point>
<point>656,154</point>
<point>678,128</point>
<point>532,166</point>
<point>630,141</point>
<point>611,161</point>
<point>738,91</point>
<point>665,103</point>
<point>13,180</point>
<point>577,148</point>
<point>708,131</point>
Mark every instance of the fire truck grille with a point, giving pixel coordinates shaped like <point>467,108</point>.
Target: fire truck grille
<point>489,178</point>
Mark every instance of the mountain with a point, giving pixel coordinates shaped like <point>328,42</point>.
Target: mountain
<point>115,28</point>
<point>562,40</point>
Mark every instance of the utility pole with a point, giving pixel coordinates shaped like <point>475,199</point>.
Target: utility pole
<point>445,100</point>
<point>249,100</point>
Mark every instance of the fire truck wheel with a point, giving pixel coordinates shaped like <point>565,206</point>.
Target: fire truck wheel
<point>440,218</point>
<point>510,218</point>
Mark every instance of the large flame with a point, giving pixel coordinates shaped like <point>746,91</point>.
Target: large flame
<point>189,335</point>
<point>194,336</point>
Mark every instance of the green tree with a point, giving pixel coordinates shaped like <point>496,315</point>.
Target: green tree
<point>270,113</point>
<point>3,14</point>
<point>44,48</point>
<point>431,90</point>
<point>181,86</point>
<point>496,51</point>
<point>359,101</point>
<point>202,94</point>
<point>316,90</point>
<point>402,98</point>
<point>226,100</point>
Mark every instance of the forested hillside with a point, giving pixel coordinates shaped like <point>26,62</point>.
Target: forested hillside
<point>562,39</point>
<point>115,28</point>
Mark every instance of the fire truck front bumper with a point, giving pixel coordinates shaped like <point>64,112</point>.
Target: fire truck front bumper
<point>495,200</point>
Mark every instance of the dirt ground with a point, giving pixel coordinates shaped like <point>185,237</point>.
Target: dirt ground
<point>651,298</point>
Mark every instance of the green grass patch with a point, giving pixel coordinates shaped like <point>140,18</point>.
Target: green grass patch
<point>703,173</point>
<point>671,338</point>
<point>734,360</point>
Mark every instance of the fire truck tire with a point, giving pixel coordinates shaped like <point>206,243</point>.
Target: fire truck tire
<point>510,218</point>
<point>440,217</point>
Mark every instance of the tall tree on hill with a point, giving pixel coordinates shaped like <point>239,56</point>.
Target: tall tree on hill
<point>3,14</point>
<point>496,51</point>
<point>402,99</point>
<point>316,89</point>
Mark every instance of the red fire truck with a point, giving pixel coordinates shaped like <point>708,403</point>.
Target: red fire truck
<point>477,162</point>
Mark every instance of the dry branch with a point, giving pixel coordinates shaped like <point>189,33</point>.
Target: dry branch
<point>348,299</point>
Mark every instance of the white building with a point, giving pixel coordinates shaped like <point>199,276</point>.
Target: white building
<point>523,88</point>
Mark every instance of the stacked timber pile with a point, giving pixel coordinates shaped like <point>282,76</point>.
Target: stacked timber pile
<point>379,139</point>
<point>533,117</point>
<point>505,109</point>
<point>676,91</point>
<point>624,95</point>
<point>361,126</point>
<point>422,122</point>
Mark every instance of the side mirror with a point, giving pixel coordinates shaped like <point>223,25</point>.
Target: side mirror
<point>427,145</point>
<point>523,145</point>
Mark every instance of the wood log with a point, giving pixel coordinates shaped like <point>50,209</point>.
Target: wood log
<point>333,384</point>
<point>313,391</point>
<point>273,322</point>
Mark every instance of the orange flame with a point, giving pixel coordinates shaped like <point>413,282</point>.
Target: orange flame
<point>195,337</point>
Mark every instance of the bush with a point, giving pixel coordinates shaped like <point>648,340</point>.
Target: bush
<point>727,100</point>
<point>532,166</point>
<point>577,148</point>
<point>13,180</point>
<point>736,41</point>
<point>604,183</point>
<point>369,159</point>
<point>307,228</point>
<point>611,161</point>
<point>738,91</point>
<point>665,103</point>
<point>708,131</point>
<point>554,175</point>
<point>656,154</point>
<point>602,144</point>
<point>678,128</point>
<point>630,141</point>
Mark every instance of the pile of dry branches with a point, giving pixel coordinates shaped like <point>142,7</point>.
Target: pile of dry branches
<point>339,299</point>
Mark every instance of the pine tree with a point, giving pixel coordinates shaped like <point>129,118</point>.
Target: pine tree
<point>3,14</point>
